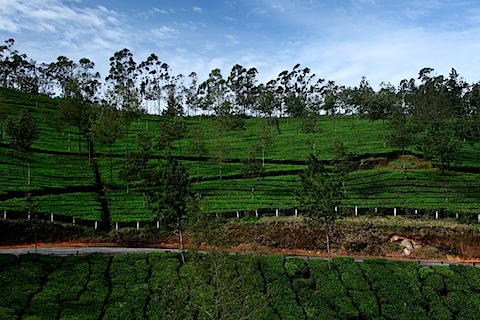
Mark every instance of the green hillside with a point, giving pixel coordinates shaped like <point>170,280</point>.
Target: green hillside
<point>66,183</point>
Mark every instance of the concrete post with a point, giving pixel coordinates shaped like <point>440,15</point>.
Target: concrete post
<point>73,221</point>
<point>276,213</point>
<point>238,215</point>
<point>116,225</point>
<point>138,225</point>
<point>436,215</point>
<point>296,213</point>
<point>51,217</point>
<point>96,225</point>
<point>256,213</point>
<point>356,211</point>
<point>394,212</point>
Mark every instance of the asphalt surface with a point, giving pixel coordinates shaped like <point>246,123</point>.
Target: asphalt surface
<point>64,251</point>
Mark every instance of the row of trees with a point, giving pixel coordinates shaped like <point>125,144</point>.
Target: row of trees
<point>137,87</point>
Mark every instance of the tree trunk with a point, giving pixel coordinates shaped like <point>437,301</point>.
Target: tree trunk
<point>180,239</point>
<point>383,133</point>
<point>79,144</point>
<point>111,166</point>
<point>220,171</point>
<point>69,142</point>
<point>327,233</point>
<point>263,155</point>
<point>445,184</point>
<point>404,165</point>
<point>29,176</point>
<point>89,144</point>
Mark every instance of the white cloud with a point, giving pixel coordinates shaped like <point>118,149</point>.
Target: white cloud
<point>232,39</point>
<point>197,9</point>
<point>162,33</point>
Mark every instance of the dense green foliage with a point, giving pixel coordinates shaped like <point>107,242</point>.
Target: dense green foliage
<point>221,286</point>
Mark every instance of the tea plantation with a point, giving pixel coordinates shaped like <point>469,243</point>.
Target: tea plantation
<point>222,286</point>
<point>70,180</point>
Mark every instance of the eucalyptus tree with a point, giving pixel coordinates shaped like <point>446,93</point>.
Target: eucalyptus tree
<point>172,123</point>
<point>406,91</point>
<point>241,83</point>
<point>123,89</point>
<point>61,72</point>
<point>380,105</point>
<point>268,102</point>
<point>154,76</point>
<point>16,71</point>
<point>351,101</point>
<point>23,132</point>
<point>400,133</point>
<point>80,92</point>
<point>192,101</point>
<point>265,138</point>
<point>295,87</point>
<point>364,96</point>
<point>213,92</point>
<point>331,102</point>
<point>471,130</point>
<point>436,112</point>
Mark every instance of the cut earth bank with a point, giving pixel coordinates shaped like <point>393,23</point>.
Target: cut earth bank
<point>366,236</point>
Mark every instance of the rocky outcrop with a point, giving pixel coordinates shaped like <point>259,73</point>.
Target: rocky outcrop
<point>408,244</point>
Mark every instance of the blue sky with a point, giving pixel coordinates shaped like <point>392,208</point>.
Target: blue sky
<point>340,40</point>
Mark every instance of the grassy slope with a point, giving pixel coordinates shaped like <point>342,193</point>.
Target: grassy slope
<point>61,179</point>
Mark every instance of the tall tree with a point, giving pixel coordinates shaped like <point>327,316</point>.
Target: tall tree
<point>106,129</point>
<point>154,76</point>
<point>440,146</point>
<point>241,83</point>
<point>23,132</point>
<point>123,90</point>
<point>400,133</point>
<point>265,138</point>
<point>331,101</point>
<point>319,197</point>
<point>5,110</point>
<point>172,123</point>
<point>197,144</point>
<point>80,91</point>
<point>192,101</point>
<point>168,193</point>
<point>342,164</point>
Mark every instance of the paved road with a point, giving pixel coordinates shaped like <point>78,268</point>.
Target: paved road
<point>125,250</point>
<point>83,250</point>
